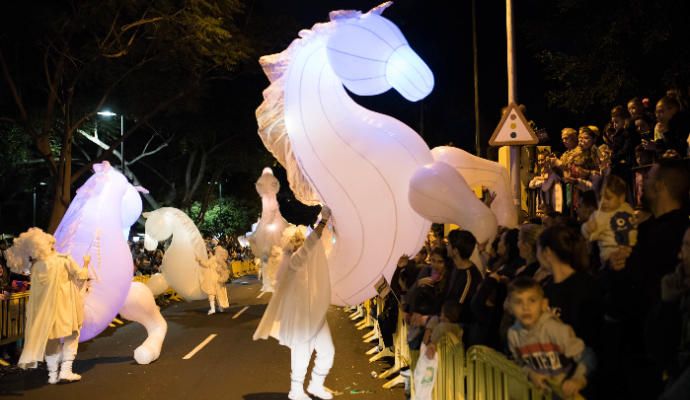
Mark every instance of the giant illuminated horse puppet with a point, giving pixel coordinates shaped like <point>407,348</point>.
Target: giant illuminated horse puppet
<point>97,223</point>
<point>359,162</point>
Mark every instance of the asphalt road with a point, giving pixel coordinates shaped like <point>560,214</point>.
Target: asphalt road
<point>231,366</point>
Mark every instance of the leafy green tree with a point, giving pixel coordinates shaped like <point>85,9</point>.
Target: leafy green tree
<point>227,216</point>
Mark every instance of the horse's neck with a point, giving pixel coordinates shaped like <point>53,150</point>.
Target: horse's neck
<point>182,238</point>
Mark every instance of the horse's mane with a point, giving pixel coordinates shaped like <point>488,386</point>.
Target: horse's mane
<point>197,241</point>
<point>270,115</point>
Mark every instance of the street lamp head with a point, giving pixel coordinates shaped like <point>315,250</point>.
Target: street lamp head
<point>106,113</point>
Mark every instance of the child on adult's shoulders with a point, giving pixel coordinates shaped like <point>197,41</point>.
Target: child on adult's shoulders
<point>613,224</point>
<point>546,347</point>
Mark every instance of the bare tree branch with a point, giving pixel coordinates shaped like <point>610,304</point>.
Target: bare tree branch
<point>141,22</point>
<point>128,172</point>
<point>161,106</point>
<point>106,95</point>
<point>148,153</point>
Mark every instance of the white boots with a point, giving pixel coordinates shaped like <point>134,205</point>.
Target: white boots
<point>52,363</point>
<point>297,391</point>
<point>317,388</point>
<point>212,302</point>
<point>65,374</point>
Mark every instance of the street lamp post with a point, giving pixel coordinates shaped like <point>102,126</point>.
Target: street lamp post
<point>108,113</point>
<point>34,198</point>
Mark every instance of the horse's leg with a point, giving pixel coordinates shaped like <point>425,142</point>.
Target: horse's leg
<point>141,307</point>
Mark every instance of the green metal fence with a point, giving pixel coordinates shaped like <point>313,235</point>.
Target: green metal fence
<point>491,376</point>
<point>13,317</point>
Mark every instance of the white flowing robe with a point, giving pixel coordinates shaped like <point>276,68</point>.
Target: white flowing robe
<point>297,309</point>
<point>55,308</point>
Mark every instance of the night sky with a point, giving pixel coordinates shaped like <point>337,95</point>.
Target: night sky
<point>443,38</point>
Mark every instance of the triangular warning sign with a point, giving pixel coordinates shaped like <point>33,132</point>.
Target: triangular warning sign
<point>513,129</point>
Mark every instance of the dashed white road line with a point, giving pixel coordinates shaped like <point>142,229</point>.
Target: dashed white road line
<point>260,294</point>
<point>200,346</point>
<point>240,312</point>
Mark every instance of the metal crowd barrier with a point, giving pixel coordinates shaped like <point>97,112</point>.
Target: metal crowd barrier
<point>450,381</point>
<point>491,376</point>
<point>13,317</point>
<point>241,268</point>
<point>480,373</point>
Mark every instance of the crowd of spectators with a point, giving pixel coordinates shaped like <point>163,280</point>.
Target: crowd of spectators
<point>594,299</point>
<point>149,262</point>
<point>636,136</point>
<point>10,282</point>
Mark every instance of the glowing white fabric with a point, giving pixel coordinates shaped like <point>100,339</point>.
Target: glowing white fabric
<point>104,208</point>
<point>271,224</point>
<point>93,224</point>
<point>441,194</point>
<point>479,172</point>
<point>179,266</point>
<point>337,153</point>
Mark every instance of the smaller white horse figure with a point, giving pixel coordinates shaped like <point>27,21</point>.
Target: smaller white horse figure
<point>269,230</point>
<point>104,208</point>
<point>179,268</point>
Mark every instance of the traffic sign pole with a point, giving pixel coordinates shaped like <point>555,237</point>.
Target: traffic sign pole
<point>514,150</point>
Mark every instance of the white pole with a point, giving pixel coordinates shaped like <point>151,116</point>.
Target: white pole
<point>514,150</point>
<point>33,214</point>
<point>475,64</point>
<point>509,47</point>
<point>122,141</point>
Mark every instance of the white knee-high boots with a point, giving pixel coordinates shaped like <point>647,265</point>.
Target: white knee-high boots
<point>212,302</point>
<point>317,388</point>
<point>66,373</point>
<point>52,361</point>
<point>297,391</point>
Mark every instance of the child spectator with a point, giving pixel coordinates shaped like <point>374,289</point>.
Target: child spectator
<point>613,224</point>
<point>546,347</point>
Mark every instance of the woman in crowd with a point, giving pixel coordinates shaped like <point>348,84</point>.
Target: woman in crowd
<point>573,294</point>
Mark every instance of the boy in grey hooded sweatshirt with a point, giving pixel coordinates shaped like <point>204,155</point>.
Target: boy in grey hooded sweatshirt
<point>546,347</point>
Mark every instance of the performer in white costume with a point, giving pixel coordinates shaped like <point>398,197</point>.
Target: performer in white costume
<point>296,314</point>
<point>215,275</point>
<point>55,310</point>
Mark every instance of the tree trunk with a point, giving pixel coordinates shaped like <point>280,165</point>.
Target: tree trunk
<point>207,197</point>
<point>62,194</point>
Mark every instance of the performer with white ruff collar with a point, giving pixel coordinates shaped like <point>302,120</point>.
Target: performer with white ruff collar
<point>55,311</point>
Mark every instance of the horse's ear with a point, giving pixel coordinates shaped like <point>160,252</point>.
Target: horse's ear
<point>378,10</point>
<point>101,167</point>
<point>141,189</point>
<point>146,214</point>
